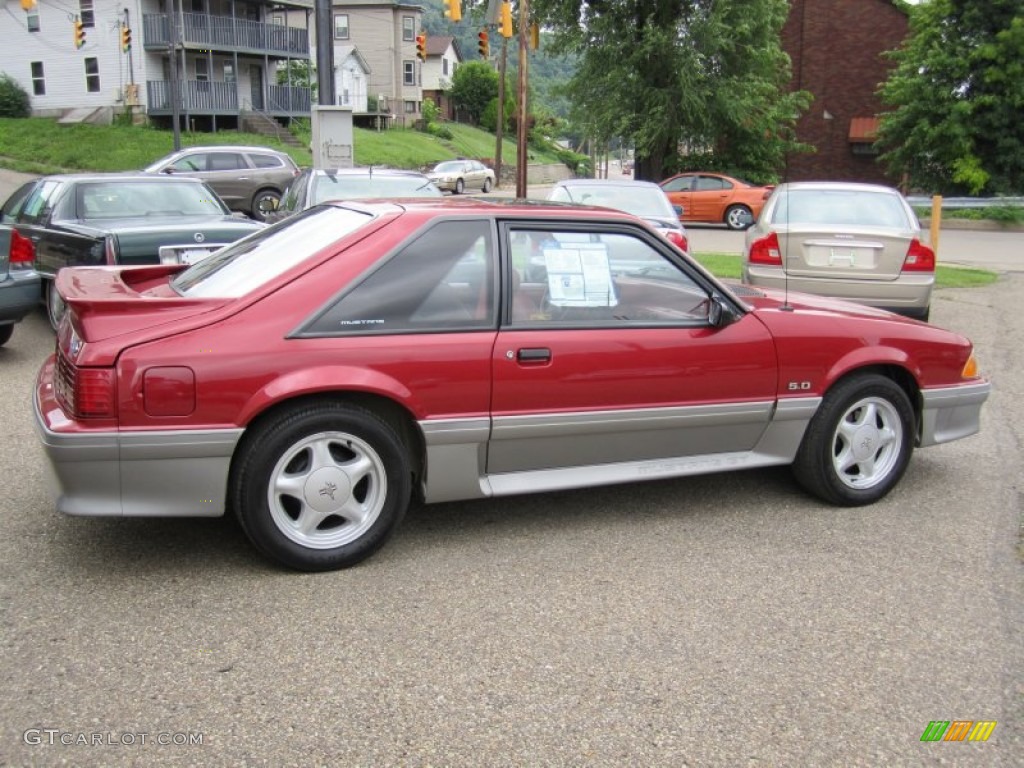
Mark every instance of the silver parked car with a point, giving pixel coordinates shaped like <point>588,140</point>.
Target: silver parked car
<point>860,242</point>
<point>247,179</point>
<point>457,176</point>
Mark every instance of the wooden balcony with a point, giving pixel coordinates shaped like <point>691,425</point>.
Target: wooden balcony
<point>204,97</point>
<point>225,34</point>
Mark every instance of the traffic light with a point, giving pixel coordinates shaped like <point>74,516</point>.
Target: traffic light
<point>453,10</point>
<point>421,46</point>
<point>79,33</point>
<point>126,38</point>
<point>483,45</point>
<point>27,5</point>
<point>506,19</point>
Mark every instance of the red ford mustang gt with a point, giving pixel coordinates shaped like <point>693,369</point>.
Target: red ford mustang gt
<point>318,375</point>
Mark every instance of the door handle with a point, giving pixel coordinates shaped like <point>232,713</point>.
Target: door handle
<point>534,355</point>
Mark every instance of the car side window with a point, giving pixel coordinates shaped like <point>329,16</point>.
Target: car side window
<point>266,161</point>
<point>38,205</point>
<point>225,161</point>
<point>682,184</point>
<point>710,184</point>
<point>14,202</point>
<point>598,279</point>
<point>444,280</point>
<point>190,163</point>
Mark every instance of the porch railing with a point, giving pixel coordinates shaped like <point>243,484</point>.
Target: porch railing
<point>225,33</point>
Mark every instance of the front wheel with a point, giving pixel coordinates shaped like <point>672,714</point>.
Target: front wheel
<point>858,445</point>
<point>321,486</point>
<point>460,187</point>
<point>738,217</point>
<point>6,331</point>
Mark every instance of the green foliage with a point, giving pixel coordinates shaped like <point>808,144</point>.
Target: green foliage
<point>430,111</point>
<point>13,98</point>
<point>1004,214</point>
<point>666,74</point>
<point>956,94</point>
<point>298,73</point>
<point>473,86</point>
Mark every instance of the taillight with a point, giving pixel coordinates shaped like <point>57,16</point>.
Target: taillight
<point>765,250</point>
<point>84,393</point>
<point>22,250</point>
<point>920,258</point>
<point>678,238</point>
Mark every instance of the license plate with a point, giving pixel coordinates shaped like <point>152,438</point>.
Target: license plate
<point>192,255</point>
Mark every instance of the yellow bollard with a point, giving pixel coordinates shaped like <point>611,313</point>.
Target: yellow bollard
<point>936,222</point>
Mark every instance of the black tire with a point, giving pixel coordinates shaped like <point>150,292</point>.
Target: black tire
<point>487,185</point>
<point>460,186</point>
<point>264,203</point>
<point>738,217</point>
<point>6,331</point>
<point>341,466</point>
<point>858,444</point>
<point>55,306</point>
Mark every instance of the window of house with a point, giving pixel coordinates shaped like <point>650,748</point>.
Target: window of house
<point>409,73</point>
<point>278,18</point>
<point>444,67</point>
<point>202,70</point>
<point>408,28</point>
<point>341,26</point>
<point>410,107</point>
<point>32,19</point>
<point>92,74</point>
<point>86,12</point>
<point>38,80</point>
<point>229,72</point>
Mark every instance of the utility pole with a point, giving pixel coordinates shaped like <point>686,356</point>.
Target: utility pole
<point>324,53</point>
<point>500,132</point>
<point>522,157</point>
<point>175,94</point>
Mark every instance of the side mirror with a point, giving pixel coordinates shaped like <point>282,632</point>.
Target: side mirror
<point>719,314</point>
<point>168,170</point>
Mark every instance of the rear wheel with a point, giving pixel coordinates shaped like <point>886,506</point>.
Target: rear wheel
<point>321,486</point>
<point>264,203</point>
<point>55,307</point>
<point>487,185</point>
<point>6,331</point>
<point>738,217</point>
<point>858,445</point>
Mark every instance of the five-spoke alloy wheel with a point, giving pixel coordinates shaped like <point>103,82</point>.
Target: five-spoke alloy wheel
<point>321,486</point>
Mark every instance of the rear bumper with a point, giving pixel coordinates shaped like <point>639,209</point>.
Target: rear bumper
<point>951,412</point>
<point>20,293</point>
<point>165,473</point>
<point>909,294</point>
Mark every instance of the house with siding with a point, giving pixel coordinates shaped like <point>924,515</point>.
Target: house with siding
<point>444,55</point>
<point>837,51</point>
<point>222,56</point>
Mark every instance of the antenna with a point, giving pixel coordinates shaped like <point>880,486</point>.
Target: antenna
<point>784,250</point>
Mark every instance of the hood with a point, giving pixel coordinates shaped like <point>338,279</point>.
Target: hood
<point>774,299</point>
<point>105,302</point>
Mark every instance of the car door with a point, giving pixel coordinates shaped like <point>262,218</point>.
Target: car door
<point>231,178</point>
<point>679,192</point>
<point>56,245</point>
<point>711,196</point>
<point>608,358</point>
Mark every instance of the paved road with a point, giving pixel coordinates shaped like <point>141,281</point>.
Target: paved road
<point>716,621</point>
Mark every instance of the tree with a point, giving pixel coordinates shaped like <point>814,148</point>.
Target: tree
<point>957,94</point>
<point>14,101</point>
<point>474,84</point>
<point>705,77</point>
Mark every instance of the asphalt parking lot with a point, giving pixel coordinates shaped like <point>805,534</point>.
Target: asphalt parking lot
<point>715,621</point>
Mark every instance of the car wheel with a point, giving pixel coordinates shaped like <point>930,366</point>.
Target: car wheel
<point>738,217</point>
<point>321,486</point>
<point>487,185</point>
<point>460,186</point>
<point>55,306</point>
<point>6,331</point>
<point>858,445</point>
<point>264,203</point>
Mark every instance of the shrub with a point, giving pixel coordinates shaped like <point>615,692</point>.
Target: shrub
<point>13,98</point>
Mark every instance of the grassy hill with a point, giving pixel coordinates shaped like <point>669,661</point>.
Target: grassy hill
<point>40,145</point>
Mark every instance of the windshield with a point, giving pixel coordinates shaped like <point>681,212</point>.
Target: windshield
<point>256,260</point>
<point>158,197</point>
<point>453,166</point>
<point>638,200</point>
<point>343,187</point>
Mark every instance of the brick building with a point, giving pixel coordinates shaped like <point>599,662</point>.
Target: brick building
<point>836,47</point>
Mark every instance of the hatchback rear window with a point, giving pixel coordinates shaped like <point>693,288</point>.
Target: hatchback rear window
<point>841,208</point>
<point>266,161</point>
<point>256,260</point>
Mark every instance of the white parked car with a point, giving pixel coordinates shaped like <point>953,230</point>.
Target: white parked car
<point>456,176</point>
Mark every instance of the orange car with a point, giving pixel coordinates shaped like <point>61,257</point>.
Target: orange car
<point>718,199</point>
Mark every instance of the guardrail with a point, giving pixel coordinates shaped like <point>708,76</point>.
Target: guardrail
<point>919,201</point>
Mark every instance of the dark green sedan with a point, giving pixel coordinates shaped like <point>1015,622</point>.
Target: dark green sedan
<point>98,219</point>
